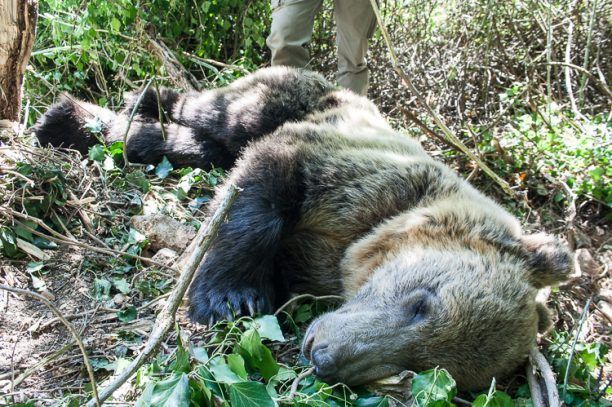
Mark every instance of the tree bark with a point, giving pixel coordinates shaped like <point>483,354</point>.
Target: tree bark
<point>17,33</point>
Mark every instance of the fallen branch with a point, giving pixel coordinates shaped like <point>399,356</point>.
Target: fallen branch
<point>96,400</point>
<point>454,140</point>
<point>534,387</point>
<point>538,361</point>
<point>165,319</point>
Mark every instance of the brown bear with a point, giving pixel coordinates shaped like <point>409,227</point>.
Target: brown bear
<point>335,201</point>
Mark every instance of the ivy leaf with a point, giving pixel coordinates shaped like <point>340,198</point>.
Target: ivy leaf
<point>138,179</point>
<point>433,386</point>
<point>94,126</point>
<point>128,314</point>
<point>223,372</point>
<point>122,285</point>
<point>250,394</point>
<point>173,391</point>
<point>163,168</point>
<point>496,399</point>
<point>34,266</point>
<point>101,288</point>
<point>372,401</point>
<point>115,149</point>
<point>268,327</point>
<point>96,153</point>
<point>236,363</point>
<point>257,354</point>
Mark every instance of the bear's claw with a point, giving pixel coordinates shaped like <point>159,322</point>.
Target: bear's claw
<point>210,305</point>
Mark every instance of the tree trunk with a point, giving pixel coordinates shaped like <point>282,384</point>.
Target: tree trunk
<point>17,32</point>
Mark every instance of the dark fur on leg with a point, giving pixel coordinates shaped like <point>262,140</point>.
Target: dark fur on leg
<point>238,276</point>
<point>65,124</point>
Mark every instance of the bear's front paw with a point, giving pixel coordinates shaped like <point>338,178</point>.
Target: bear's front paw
<point>209,304</point>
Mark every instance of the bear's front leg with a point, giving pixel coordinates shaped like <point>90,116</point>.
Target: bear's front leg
<point>238,276</point>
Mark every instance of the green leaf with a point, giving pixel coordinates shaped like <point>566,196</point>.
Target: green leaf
<point>268,327</point>
<point>496,399</point>
<point>257,354</point>
<point>95,126</point>
<point>101,288</point>
<point>96,153</point>
<point>115,24</point>
<point>34,266</point>
<point>223,373</point>
<point>163,168</point>
<point>9,243</point>
<point>128,314</point>
<point>139,180</point>
<point>181,362</point>
<point>236,363</point>
<point>250,394</point>
<point>122,285</point>
<point>432,386</point>
<point>372,401</point>
<point>115,149</point>
<point>171,392</point>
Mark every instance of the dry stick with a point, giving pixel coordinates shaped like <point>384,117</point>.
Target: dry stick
<point>447,132</point>
<point>587,48</point>
<point>568,58</point>
<point>297,380</point>
<point>598,82</point>
<point>309,296</point>
<point>534,387</point>
<point>571,355</point>
<point>538,360</point>
<point>131,118</point>
<point>96,400</point>
<point>165,319</point>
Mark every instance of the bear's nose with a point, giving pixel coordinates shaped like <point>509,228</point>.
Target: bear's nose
<point>309,339</point>
<point>323,362</point>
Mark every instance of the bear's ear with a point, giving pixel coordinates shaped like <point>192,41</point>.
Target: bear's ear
<point>548,259</point>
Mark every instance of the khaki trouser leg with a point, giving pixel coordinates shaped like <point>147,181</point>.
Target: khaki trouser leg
<point>356,22</point>
<point>292,22</point>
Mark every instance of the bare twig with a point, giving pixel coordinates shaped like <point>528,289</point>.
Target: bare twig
<point>534,387</point>
<point>598,82</point>
<point>308,296</point>
<point>296,382</point>
<point>539,361</point>
<point>131,118</point>
<point>568,59</point>
<point>96,400</point>
<point>587,50</point>
<point>454,140</point>
<point>571,355</point>
<point>165,319</point>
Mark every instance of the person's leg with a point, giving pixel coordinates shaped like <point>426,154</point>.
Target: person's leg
<point>292,22</point>
<point>356,22</point>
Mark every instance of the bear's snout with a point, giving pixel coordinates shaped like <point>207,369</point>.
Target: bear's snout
<point>323,362</point>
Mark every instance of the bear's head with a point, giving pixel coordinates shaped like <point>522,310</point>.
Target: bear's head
<point>464,301</point>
